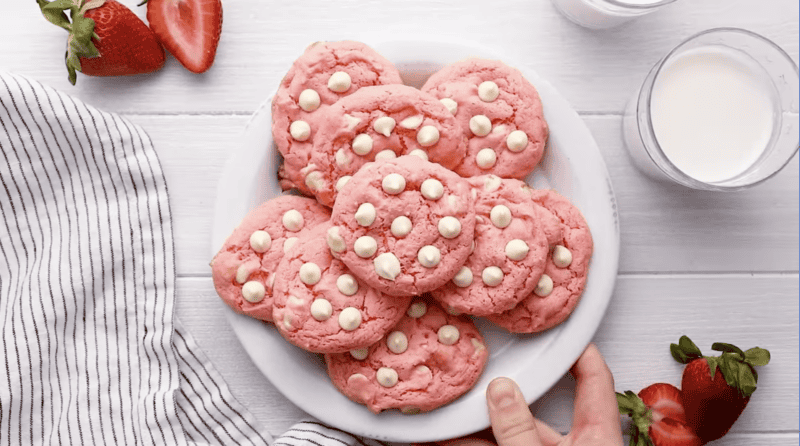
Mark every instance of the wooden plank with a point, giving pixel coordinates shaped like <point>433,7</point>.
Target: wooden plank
<point>595,70</point>
<point>744,310</point>
<point>664,228</point>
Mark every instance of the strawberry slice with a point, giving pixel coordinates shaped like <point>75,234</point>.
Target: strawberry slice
<point>716,389</point>
<point>188,29</point>
<point>658,417</point>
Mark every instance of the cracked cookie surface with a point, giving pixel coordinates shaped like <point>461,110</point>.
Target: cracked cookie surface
<point>321,307</point>
<point>560,287</point>
<point>428,360</point>
<point>244,268</point>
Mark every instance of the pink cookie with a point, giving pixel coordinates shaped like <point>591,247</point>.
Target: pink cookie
<point>428,360</point>
<point>404,226</point>
<point>510,251</point>
<point>381,122</point>
<point>244,269</point>
<point>320,307</point>
<point>326,72</point>
<point>499,111</point>
<point>564,278</point>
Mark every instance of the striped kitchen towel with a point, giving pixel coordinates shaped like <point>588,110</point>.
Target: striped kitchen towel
<point>93,354</point>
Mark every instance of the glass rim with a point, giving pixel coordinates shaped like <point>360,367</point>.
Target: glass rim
<point>627,4</point>
<point>684,177</point>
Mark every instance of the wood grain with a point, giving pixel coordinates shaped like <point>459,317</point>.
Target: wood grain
<point>597,71</point>
<point>646,314</point>
<point>665,228</point>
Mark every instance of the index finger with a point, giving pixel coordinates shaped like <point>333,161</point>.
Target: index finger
<point>595,401</point>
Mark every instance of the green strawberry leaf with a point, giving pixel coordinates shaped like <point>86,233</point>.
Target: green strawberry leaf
<point>746,380</point>
<point>727,348</point>
<point>712,366</point>
<point>678,354</point>
<point>91,4</point>
<point>685,351</point>
<point>53,15</point>
<point>757,356</point>
<point>629,403</point>
<point>60,5</point>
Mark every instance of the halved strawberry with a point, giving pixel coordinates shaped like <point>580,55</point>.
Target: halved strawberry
<point>716,389</point>
<point>189,29</point>
<point>658,417</point>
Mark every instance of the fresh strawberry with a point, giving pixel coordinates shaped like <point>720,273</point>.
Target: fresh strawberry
<point>658,417</point>
<point>189,29</point>
<point>716,389</point>
<point>105,38</point>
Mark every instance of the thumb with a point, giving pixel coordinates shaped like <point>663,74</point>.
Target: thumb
<point>512,421</point>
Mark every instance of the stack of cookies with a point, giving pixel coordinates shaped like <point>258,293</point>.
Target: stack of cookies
<point>411,219</point>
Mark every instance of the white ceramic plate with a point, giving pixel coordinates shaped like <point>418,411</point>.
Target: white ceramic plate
<point>572,165</point>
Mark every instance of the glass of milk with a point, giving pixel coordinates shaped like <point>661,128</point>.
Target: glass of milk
<point>599,14</point>
<point>719,112</point>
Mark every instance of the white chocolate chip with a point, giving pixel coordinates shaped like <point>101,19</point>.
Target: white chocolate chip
<point>271,281</point>
<point>365,247</point>
<point>359,354</point>
<point>244,271</point>
<point>352,122</point>
<point>342,158</point>
<point>429,256</point>
<point>287,320</point>
<point>417,310</point>
<point>341,182</point>
<point>387,154</point>
<point>463,278</point>
<point>401,226</point>
<point>387,265</point>
<point>517,249</point>
<point>411,122</point>
<point>488,91</point>
<point>449,227</point>
<point>292,220</point>
<point>432,189</point>
<point>253,291</point>
<point>347,284</point>
<point>477,345</point>
<point>562,256</point>
<point>387,377</point>
<point>310,273</point>
<point>492,183</point>
<point>486,158</point>
<point>335,241</point>
<point>480,125</point>
<point>500,216</point>
<point>321,309</point>
<point>427,136</point>
<point>350,318</point>
<point>454,202</point>
<point>544,287</point>
<point>365,215</point>
<point>288,243</point>
<point>394,183</point>
<point>452,106</point>
<point>339,82</point>
<point>472,248</point>
<point>309,100</point>
<point>448,334</point>
<point>260,241</point>
<point>419,153</point>
<point>314,180</point>
<point>294,302</point>
<point>300,130</point>
<point>517,141</point>
<point>362,144</point>
<point>384,125</point>
<point>492,276</point>
<point>397,342</point>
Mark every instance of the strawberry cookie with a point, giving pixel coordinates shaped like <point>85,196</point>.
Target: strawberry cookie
<point>429,359</point>
<point>244,269</point>
<point>499,111</point>
<point>320,307</point>
<point>510,251</point>
<point>404,226</point>
<point>375,123</point>
<point>326,72</point>
<point>560,287</point>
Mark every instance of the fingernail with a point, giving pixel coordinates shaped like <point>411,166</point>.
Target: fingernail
<point>502,392</point>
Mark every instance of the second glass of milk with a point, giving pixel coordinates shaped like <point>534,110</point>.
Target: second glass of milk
<point>719,112</point>
<point>600,14</point>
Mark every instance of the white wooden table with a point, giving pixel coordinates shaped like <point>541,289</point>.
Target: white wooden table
<point>717,267</point>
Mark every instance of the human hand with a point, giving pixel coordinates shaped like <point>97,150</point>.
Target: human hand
<point>595,420</point>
